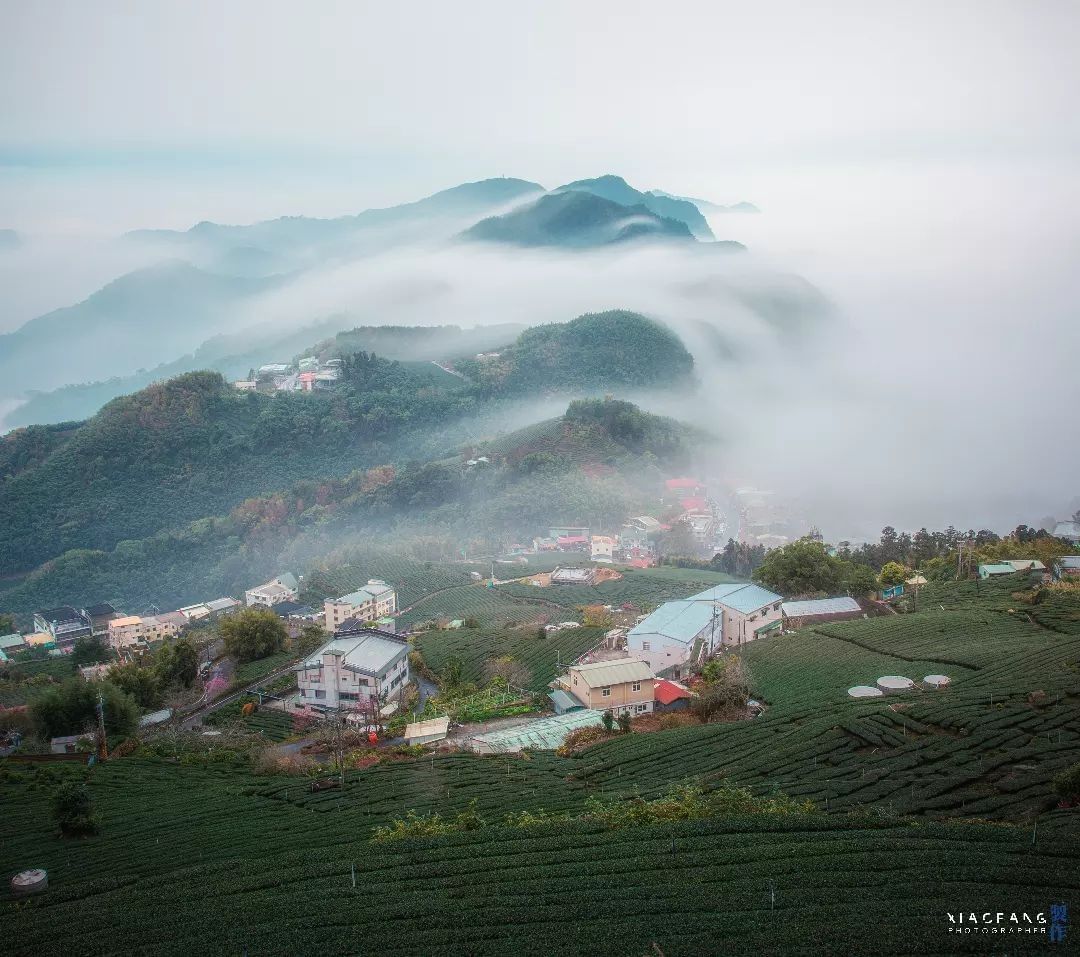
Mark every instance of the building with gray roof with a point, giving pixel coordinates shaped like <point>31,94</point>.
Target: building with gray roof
<point>351,669</point>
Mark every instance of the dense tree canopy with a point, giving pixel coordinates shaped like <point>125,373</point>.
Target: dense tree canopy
<point>805,568</point>
<point>71,708</point>
<point>252,633</point>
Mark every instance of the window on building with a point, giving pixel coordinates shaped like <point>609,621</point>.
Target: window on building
<point>320,693</point>
<point>637,686</point>
<point>646,646</point>
<point>606,692</point>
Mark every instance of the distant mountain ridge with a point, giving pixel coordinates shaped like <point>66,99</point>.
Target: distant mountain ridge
<point>576,219</point>
<point>142,318</point>
<point>665,205</point>
<point>299,235</point>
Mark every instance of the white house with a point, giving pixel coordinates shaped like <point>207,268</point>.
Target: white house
<point>373,601</point>
<point>282,588</point>
<point>676,635</point>
<point>603,548</point>
<point>350,669</point>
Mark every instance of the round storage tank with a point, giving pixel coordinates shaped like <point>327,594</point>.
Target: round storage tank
<point>936,681</point>
<point>864,691</point>
<point>33,881</point>
<point>895,683</point>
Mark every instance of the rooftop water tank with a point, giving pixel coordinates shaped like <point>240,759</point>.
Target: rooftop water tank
<point>895,683</point>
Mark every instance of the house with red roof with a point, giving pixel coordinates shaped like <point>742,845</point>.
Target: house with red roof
<point>670,696</point>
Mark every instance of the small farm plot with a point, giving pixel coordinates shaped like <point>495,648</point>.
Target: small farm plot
<point>473,649</point>
<point>488,605</point>
<point>412,579</point>
<point>641,587</point>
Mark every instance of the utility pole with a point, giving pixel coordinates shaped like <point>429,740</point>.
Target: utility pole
<point>103,749</point>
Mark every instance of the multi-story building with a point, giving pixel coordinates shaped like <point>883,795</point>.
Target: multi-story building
<point>676,636</point>
<point>135,629</point>
<point>65,624</point>
<point>283,588</point>
<point>354,668</point>
<point>370,603</point>
<point>100,616</point>
<point>747,611</point>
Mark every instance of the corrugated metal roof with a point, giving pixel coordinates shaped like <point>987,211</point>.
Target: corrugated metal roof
<point>739,596</point>
<point>564,701</point>
<point>996,568</point>
<point>604,674</point>
<point>820,606</point>
<point>1069,561</point>
<point>681,621</point>
<point>545,734</point>
<point>14,640</point>
<point>1024,564</point>
<point>368,652</point>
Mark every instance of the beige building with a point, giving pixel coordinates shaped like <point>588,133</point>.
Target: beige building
<point>747,611</point>
<point>374,601</point>
<point>617,686</point>
<point>133,629</point>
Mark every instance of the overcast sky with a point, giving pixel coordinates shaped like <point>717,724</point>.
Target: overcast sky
<point>916,161</point>
<point>258,108</point>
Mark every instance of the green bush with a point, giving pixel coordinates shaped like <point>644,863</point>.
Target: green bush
<point>73,811</point>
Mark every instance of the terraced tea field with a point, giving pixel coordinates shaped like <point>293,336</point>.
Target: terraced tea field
<point>645,588</point>
<point>539,655</point>
<point>191,861</point>
<point>412,579</point>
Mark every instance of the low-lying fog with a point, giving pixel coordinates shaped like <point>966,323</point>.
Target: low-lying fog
<point>941,389</point>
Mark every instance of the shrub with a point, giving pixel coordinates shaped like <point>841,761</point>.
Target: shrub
<point>580,738</point>
<point>72,810</point>
<point>1067,784</point>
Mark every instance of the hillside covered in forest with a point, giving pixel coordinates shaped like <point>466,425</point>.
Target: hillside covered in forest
<point>598,462</point>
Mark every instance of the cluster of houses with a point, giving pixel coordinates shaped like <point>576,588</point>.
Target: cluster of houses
<point>1067,566</point>
<point>56,630</point>
<point>307,374</point>
<point>644,674</point>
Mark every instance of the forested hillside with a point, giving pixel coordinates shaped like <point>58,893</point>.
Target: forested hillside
<point>599,349</point>
<point>193,446</point>
<point>596,463</point>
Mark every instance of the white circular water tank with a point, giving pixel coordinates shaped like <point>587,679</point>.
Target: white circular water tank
<point>895,683</point>
<point>864,691</point>
<point>937,681</point>
<point>33,881</point>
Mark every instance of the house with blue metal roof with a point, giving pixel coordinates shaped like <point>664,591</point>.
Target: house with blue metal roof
<point>748,611</point>
<point>676,635</point>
